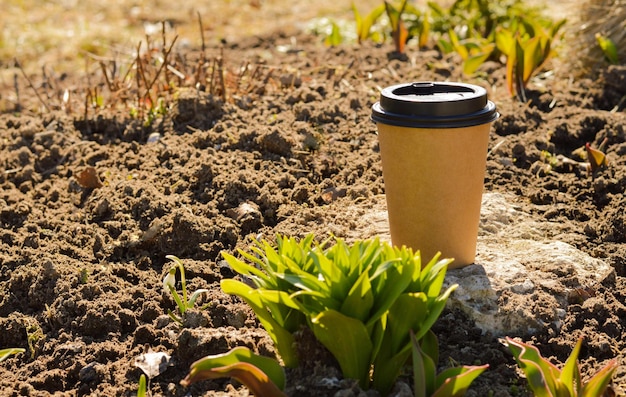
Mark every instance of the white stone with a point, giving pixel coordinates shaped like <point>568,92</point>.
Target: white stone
<point>517,284</point>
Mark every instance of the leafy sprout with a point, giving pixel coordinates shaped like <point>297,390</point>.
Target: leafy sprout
<point>263,376</point>
<point>353,297</point>
<point>399,32</point>
<point>596,157</point>
<point>169,285</point>
<point>6,353</point>
<point>365,23</point>
<point>527,46</point>
<point>142,389</point>
<point>545,379</point>
<point>452,382</point>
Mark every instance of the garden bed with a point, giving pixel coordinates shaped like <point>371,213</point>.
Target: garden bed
<point>285,147</point>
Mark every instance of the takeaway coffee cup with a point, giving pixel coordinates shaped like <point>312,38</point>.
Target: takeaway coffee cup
<point>433,141</point>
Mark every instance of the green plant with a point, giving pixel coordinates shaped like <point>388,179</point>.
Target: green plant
<point>334,38</point>
<point>142,389</point>
<point>545,379</point>
<point>354,298</point>
<point>399,32</point>
<point>263,376</point>
<point>365,23</point>
<point>419,25</point>
<point>608,48</point>
<point>169,283</point>
<point>5,353</point>
<point>452,382</point>
<point>473,50</point>
<point>527,46</point>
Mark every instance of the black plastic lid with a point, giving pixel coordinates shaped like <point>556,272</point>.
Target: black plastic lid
<point>434,105</point>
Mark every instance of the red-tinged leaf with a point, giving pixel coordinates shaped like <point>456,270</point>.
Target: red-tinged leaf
<point>262,369</point>
<point>600,381</point>
<point>541,374</point>
<point>510,73</point>
<point>570,374</point>
<point>252,377</point>
<point>596,158</point>
<point>401,36</point>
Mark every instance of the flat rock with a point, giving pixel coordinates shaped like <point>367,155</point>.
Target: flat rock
<point>522,282</point>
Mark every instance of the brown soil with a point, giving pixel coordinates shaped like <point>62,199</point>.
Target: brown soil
<point>81,268</point>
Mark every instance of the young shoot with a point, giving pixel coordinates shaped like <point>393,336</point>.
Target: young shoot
<point>545,379</point>
<point>6,353</point>
<point>169,285</point>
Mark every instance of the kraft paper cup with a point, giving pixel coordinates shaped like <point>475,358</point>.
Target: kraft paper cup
<point>433,141</point>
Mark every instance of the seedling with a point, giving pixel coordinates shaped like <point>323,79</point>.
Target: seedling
<point>365,23</point>
<point>355,299</point>
<point>334,38</point>
<point>143,387</point>
<point>6,353</point>
<point>608,48</point>
<point>263,376</point>
<point>399,32</point>
<point>452,382</point>
<point>596,157</point>
<point>474,50</point>
<point>526,46</point>
<point>169,283</point>
<point>545,379</point>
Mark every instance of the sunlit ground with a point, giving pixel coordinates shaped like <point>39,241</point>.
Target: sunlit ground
<point>59,33</point>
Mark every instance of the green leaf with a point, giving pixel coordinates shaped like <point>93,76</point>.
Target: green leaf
<point>570,374</point>
<point>142,389</point>
<point>435,310</point>
<point>419,369</point>
<point>243,268</point>
<point>257,381</point>
<point>454,382</point>
<point>445,46</point>
<point>269,366</point>
<point>424,367</point>
<point>179,303</point>
<point>387,367</point>
<point>283,338</point>
<point>473,62</point>
<point>360,299</point>
<point>429,345</point>
<point>608,48</point>
<point>541,374</point>
<point>6,353</point>
<point>364,25</point>
<point>400,323</point>
<point>388,287</point>
<point>196,294</point>
<point>348,341</point>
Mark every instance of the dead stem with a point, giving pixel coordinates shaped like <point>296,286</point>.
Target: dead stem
<point>30,83</point>
<point>18,106</point>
